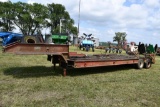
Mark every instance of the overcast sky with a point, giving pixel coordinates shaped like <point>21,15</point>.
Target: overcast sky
<point>140,19</point>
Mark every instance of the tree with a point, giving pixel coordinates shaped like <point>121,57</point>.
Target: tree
<point>38,15</point>
<point>74,30</point>
<point>56,12</point>
<point>69,27</point>
<point>22,18</point>
<point>120,38</point>
<point>29,18</point>
<point>6,23</point>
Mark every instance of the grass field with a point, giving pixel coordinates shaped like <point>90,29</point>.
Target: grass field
<point>31,81</point>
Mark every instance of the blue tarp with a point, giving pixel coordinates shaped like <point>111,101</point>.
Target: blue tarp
<point>9,37</point>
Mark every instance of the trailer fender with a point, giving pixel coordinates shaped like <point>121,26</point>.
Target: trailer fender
<point>140,64</point>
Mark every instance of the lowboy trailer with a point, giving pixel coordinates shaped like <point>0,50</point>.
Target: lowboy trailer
<point>60,54</point>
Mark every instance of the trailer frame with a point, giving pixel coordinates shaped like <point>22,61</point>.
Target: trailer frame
<point>59,54</point>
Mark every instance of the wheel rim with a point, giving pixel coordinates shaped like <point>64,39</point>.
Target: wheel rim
<point>149,64</point>
<point>141,64</point>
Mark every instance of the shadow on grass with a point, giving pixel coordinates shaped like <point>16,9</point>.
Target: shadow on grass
<point>97,70</point>
<point>42,71</point>
<point>34,71</point>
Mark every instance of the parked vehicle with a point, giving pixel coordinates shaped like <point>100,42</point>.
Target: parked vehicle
<point>86,43</point>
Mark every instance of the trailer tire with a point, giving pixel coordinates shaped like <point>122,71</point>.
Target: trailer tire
<point>147,64</point>
<point>30,39</point>
<point>140,64</point>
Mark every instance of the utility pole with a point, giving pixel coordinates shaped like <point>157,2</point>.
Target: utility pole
<point>79,15</point>
<point>60,25</point>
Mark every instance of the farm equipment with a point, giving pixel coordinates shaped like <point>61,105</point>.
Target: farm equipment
<point>9,37</point>
<point>60,38</point>
<point>158,51</point>
<point>59,54</point>
<point>112,48</point>
<point>87,43</point>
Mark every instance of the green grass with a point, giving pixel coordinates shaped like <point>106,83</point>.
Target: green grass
<point>31,81</point>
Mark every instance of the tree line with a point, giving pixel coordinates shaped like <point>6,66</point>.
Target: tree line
<point>32,18</point>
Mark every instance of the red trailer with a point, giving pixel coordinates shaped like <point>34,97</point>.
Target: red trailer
<point>60,54</point>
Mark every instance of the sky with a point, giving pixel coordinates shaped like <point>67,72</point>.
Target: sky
<point>140,19</point>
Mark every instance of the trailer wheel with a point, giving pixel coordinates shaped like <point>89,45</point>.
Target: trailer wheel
<point>147,64</point>
<point>140,64</point>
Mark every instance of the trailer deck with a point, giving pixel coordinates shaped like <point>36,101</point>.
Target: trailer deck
<point>101,60</point>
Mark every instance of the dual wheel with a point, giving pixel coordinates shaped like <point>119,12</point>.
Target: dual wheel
<point>146,64</point>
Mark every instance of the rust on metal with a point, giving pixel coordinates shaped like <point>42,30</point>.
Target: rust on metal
<point>82,64</point>
<point>36,49</point>
<point>75,54</point>
<point>102,60</point>
<point>64,72</point>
